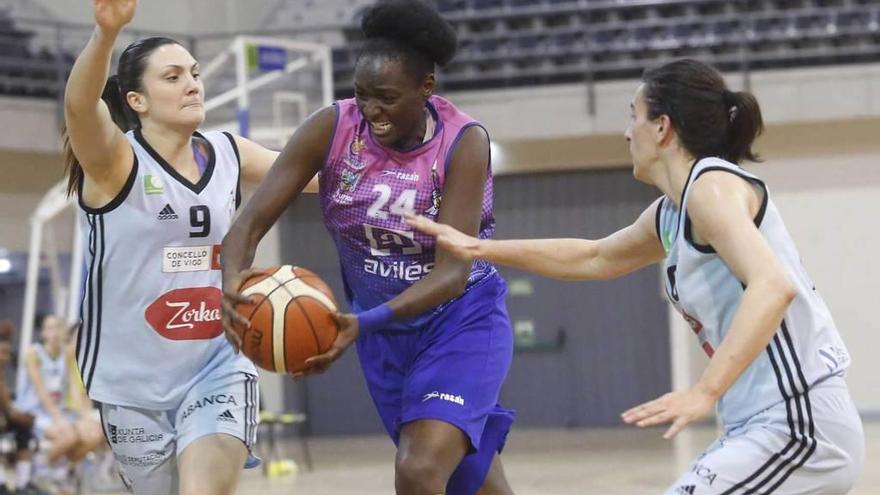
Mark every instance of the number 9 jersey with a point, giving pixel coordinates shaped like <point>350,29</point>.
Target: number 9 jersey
<point>150,312</point>
<point>366,188</point>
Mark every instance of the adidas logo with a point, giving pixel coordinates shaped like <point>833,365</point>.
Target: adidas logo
<point>686,489</point>
<point>167,213</point>
<point>226,416</point>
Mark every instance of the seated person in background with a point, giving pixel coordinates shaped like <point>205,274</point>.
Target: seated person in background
<point>43,390</point>
<point>88,422</point>
<point>14,421</point>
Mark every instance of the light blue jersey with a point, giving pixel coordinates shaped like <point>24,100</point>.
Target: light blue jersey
<point>54,373</point>
<point>150,313</point>
<point>806,348</point>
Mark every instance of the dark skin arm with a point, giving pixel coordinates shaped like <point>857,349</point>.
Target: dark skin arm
<point>461,206</point>
<point>12,414</point>
<point>5,400</point>
<point>298,162</point>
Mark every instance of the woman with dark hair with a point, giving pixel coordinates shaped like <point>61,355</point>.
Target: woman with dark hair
<point>776,360</point>
<point>178,406</point>
<point>435,341</point>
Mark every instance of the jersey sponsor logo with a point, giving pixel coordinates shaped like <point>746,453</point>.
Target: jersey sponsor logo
<point>455,399</point>
<point>187,314</point>
<point>436,193</point>
<point>208,400</point>
<point>226,416</point>
<point>401,175</point>
<point>153,185</point>
<point>131,435</point>
<point>353,159</point>
<point>704,472</point>
<point>177,259</point>
<point>147,460</point>
<point>409,271</point>
<point>686,489</point>
<point>385,242</point>
<point>348,181</point>
<point>167,213</point>
<point>672,289</point>
<point>697,328</point>
<point>834,357</point>
<point>436,198</point>
<point>357,145</point>
<point>695,324</point>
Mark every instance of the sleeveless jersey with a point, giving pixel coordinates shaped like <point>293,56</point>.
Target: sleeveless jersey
<point>151,302</point>
<point>54,373</point>
<point>806,347</point>
<point>366,187</point>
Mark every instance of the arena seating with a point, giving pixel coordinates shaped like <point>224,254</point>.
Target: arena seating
<point>526,42</point>
<point>25,71</point>
<point>520,42</point>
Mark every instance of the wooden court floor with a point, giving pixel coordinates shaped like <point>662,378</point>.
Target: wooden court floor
<point>615,461</point>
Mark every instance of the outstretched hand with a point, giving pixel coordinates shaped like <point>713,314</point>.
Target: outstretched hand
<point>112,15</point>
<point>457,243</point>
<point>348,333</point>
<point>679,408</point>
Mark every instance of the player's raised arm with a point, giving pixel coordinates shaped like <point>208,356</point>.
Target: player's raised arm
<point>95,140</point>
<point>622,252</point>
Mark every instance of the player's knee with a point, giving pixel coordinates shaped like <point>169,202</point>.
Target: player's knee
<point>419,475</point>
<point>61,437</point>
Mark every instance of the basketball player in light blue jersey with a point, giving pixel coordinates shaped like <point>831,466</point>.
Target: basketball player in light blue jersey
<point>178,406</point>
<point>44,390</point>
<point>777,363</point>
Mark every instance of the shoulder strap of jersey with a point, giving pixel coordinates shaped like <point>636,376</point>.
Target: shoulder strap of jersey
<point>717,164</point>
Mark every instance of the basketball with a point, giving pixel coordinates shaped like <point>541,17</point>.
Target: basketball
<point>291,318</point>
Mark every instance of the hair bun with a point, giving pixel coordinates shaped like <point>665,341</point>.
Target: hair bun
<point>413,23</point>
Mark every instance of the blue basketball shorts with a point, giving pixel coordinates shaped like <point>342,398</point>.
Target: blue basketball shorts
<point>451,370</point>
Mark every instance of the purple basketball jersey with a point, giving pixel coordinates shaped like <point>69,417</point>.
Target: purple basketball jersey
<point>365,188</point>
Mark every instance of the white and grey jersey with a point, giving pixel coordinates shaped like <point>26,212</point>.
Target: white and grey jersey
<point>805,349</point>
<point>151,302</point>
<point>55,376</point>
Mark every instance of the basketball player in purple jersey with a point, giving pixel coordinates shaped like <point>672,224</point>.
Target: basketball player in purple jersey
<point>433,335</point>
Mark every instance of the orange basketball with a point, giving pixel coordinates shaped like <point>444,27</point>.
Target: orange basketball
<point>291,318</point>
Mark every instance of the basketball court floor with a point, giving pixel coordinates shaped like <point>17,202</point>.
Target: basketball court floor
<point>613,461</point>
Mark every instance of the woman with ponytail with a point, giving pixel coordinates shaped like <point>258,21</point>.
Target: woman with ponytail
<point>178,405</point>
<point>777,363</point>
<point>435,342</point>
